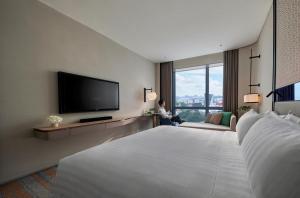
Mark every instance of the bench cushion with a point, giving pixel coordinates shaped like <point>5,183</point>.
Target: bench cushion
<point>203,125</point>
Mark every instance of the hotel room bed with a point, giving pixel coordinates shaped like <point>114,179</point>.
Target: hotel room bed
<point>161,162</point>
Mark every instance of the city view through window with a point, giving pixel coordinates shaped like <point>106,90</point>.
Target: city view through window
<point>297,91</point>
<point>198,91</point>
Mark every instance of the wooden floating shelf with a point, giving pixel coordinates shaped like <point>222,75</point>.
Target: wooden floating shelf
<point>66,129</point>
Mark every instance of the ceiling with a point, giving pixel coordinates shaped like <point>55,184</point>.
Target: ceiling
<point>164,30</point>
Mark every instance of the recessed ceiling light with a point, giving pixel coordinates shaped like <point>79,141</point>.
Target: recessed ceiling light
<point>221,45</point>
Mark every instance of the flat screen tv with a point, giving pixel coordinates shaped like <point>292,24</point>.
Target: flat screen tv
<point>82,94</point>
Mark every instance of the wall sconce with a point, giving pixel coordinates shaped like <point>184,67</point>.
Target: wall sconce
<point>148,96</point>
<point>252,97</point>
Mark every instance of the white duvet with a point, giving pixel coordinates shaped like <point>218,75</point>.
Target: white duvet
<point>164,162</point>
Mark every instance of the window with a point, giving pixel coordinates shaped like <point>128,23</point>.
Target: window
<point>297,91</point>
<point>198,90</point>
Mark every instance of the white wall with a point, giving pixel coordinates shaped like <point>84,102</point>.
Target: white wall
<point>244,69</point>
<point>244,74</point>
<point>199,60</point>
<point>262,68</point>
<point>36,42</point>
<point>244,65</point>
<point>264,71</point>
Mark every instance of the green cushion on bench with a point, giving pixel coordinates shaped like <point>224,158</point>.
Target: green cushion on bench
<point>226,118</point>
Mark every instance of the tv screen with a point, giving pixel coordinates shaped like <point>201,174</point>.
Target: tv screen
<point>81,94</point>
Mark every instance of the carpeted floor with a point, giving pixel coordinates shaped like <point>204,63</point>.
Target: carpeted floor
<point>35,185</point>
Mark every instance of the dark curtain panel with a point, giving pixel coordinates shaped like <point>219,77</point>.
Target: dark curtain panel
<point>166,75</point>
<point>230,91</point>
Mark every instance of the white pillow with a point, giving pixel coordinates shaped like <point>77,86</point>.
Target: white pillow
<point>248,113</point>
<point>282,116</point>
<point>251,111</point>
<point>245,122</point>
<point>292,118</point>
<point>270,113</point>
<point>272,154</point>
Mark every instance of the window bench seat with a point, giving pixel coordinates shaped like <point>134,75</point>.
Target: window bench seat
<point>208,126</point>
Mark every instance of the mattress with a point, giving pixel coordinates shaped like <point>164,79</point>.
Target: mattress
<point>161,162</point>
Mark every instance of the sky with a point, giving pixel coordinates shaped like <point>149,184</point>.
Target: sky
<point>192,82</point>
<point>297,91</point>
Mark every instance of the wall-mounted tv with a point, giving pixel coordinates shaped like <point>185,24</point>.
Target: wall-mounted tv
<point>82,94</point>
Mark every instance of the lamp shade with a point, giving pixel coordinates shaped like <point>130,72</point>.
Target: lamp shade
<point>151,95</point>
<point>252,98</point>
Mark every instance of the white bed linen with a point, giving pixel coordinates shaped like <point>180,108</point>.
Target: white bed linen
<point>164,162</point>
<point>271,150</point>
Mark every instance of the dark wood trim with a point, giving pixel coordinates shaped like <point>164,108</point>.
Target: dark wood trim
<point>206,89</point>
<point>160,81</point>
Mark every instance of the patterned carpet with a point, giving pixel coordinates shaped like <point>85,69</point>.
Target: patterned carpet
<point>35,185</point>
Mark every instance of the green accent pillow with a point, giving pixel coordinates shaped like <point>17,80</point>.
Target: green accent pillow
<point>226,118</point>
